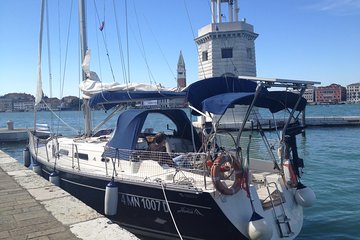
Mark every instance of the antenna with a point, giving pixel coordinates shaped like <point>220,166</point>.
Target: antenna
<point>216,13</point>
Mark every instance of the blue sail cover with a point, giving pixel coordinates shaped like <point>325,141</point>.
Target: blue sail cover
<point>110,99</point>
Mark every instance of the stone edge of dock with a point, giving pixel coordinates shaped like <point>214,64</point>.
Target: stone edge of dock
<point>83,221</point>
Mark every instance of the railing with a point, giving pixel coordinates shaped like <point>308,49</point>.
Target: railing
<point>76,153</point>
<point>179,168</point>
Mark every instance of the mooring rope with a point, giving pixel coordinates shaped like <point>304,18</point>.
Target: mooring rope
<point>172,217</point>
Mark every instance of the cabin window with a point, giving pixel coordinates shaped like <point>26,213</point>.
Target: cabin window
<point>205,56</point>
<point>226,53</point>
<point>157,122</point>
<point>64,152</point>
<point>82,156</point>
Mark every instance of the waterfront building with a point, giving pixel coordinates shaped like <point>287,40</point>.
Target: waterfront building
<point>309,94</point>
<point>69,99</point>
<point>334,93</point>
<point>353,93</point>
<point>23,106</point>
<point>70,103</point>
<point>52,103</point>
<point>6,105</point>
<point>41,107</point>
<point>226,47</point>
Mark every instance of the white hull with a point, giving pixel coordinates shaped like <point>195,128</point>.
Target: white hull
<point>151,175</point>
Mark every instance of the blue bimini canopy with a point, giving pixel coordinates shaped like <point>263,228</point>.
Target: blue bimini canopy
<point>203,89</point>
<point>110,99</point>
<point>274,101</point>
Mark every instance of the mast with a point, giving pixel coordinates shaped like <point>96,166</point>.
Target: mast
<point>84,48</point>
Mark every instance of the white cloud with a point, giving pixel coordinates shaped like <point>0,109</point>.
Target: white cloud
<point>338,7</point>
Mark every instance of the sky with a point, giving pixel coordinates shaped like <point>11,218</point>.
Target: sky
<point>303,39</point>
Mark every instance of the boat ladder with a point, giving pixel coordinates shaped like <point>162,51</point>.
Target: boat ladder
<point>282,219</point>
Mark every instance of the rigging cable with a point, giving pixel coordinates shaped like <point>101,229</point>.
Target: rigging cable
<point>161,51</point>
<point>105,44</point>
<point>49,54</point>
<point>230,59</point>
<point>193,34</point>
<point>120,45</point>
<point>39,92</point>
<point>142,48</point>
<point>60,56</point>
<point>59,118</point>
<point>101,28</point>
<point>97,39</point>
<point>80,79</point>
<point>48,48</point>
<point>146,62</point>
<point>62,81</point>
<point>66,51</point>
<point>127,41</point>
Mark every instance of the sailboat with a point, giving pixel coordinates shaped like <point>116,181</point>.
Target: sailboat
<point>159,177</point>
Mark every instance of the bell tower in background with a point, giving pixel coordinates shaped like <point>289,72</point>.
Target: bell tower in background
<point>181,72</point>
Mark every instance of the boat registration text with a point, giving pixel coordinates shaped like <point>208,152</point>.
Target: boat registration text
<point>143,202</point>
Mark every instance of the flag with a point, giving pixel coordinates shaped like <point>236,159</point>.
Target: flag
<point>102,25</point>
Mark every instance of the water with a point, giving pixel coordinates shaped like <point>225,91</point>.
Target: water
<point>332,170</point>
<point>332,163</point>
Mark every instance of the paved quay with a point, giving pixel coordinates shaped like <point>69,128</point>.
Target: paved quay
<point>13,135</point>
<point>33,208</point>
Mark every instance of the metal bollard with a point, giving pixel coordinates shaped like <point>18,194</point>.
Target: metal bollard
<point>10,125</point>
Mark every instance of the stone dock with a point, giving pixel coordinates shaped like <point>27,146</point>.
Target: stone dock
<point>33,208</point>
<point>13,135</point>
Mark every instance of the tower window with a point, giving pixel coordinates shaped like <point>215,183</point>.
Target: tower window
<point>226,53</point>
<point>249,53</point>
<point>205,56</point>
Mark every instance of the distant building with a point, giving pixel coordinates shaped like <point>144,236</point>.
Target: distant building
<point>70,103</point>
<point>309,94</point>
<point>330,94</point>
<point>18,102</point>
<point>6,105</point>
<point>226,48</point>
<point>52,103</point>
<point>353,93</point>
<point>181,72</point>
<point>69,99</point>
<point>23,106</point>
<point>41,107</point>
